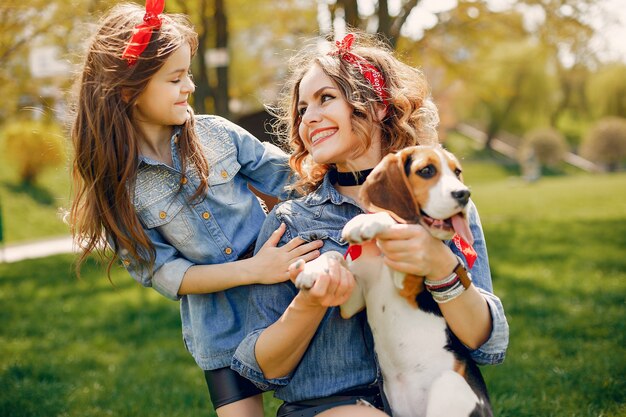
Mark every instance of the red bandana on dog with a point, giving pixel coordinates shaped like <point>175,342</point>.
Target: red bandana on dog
<point>353,252</point>
<point>466,249</point>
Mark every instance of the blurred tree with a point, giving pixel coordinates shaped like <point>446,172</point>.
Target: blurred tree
<point>26,26</point>
<point>512,90</point>
<point>261,51</point>
<point>382,16</point>
<point>34,147</point>
<point>500,57</point>
<point>606,91</point>
<point>606,143</point>
<point>236,42</point>
<point>202,14</point>
<point>547,145</point>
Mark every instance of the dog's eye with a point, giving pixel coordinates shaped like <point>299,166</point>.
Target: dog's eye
<point>458,172</point>
<point>427,172</point>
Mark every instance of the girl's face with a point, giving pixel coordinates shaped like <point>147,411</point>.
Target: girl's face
<point>326,124</point>
<point>163,103</point>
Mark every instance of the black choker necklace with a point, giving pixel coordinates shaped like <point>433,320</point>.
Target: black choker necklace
<point>348,178</point>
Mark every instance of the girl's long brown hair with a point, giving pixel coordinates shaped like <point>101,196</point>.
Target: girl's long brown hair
<point>411,117</point>
<point>106,142</point>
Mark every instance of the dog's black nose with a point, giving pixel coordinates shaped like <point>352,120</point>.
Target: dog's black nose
<point>462,196</point>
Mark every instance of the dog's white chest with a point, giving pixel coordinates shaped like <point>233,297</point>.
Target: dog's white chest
<point>410,344</point>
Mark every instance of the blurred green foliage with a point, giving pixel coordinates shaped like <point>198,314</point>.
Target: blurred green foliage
<point>606,143</point>
<point>34,146</point>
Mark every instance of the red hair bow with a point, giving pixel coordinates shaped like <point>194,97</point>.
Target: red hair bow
<point>370,72</point>
<point>143,32</point>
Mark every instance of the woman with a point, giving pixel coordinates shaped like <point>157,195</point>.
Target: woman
<point>348,106</point>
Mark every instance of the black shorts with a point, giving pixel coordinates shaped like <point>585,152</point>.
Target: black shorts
<point>311,408</point>
<point>227,386</point>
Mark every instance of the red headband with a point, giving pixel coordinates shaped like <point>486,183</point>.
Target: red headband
<point>143,32</point>
<point>370,72</point>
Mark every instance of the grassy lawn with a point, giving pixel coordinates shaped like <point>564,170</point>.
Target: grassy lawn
<point>87,348</point>
<point>32,211</point>
<point>557,255</point>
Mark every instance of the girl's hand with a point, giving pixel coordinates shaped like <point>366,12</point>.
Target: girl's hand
<point>411,249</point>
<point>331,288</point>
<point>271,263</point>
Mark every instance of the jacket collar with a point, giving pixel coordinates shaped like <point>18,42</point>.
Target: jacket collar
<point>326,192</point>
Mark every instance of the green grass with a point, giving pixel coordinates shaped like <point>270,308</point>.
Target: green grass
<point>557,253</point>
<point>32,211</point>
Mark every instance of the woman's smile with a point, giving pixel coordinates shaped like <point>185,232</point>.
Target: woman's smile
<point>320,135</point>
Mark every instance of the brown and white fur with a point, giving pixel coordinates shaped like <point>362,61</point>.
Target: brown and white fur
<point>426,370</point>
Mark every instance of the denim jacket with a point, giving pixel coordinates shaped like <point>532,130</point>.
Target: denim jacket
<point>341,354</point>
<point>217,229</point>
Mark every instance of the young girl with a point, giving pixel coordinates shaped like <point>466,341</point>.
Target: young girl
<point>169,191</point>
<point>348,104</point>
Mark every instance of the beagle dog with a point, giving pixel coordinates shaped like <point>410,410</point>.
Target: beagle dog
<point>426,370</point>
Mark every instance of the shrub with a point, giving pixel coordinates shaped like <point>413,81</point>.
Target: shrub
<point>606,143</point>
<point>34,146</point>
<point>547,145</point>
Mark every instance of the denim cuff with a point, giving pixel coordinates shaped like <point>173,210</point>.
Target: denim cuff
<point>493,351</point>
<point>244,362</point>
<point>168,278</point>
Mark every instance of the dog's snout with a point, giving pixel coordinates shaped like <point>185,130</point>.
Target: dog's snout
<point>461,196</point>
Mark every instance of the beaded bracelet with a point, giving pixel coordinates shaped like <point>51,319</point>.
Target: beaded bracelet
<point>451,286</point>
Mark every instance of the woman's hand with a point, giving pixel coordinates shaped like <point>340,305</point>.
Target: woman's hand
<point>411,249</point>
<point>271,263</point>
<point>332,287</point>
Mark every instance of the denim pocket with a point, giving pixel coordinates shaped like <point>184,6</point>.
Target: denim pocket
<point>169,217</point>
<point>222,182</point>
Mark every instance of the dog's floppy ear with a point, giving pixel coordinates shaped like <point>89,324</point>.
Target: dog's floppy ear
<point>387,189</point>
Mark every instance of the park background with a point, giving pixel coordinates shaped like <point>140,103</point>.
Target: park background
<point>532,95</point>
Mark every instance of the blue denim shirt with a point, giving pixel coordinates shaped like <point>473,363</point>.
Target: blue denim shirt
<point>341,354</point>
<point>213,231</point>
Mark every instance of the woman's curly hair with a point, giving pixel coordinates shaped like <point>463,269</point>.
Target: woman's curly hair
<point>411,117</point>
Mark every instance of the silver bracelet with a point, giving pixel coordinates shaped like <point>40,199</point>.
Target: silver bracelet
<point>444,297</point>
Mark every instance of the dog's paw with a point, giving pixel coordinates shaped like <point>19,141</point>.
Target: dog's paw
<point>365,227</point>
<point>313,269</point>
<point>306,279</point>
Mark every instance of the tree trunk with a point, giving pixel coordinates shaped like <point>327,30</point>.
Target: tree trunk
<point>221,91</point>
<point>351,13</point>
<point>203,89</point>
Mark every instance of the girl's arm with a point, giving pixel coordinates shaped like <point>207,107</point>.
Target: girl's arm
<point>172,275</point>
<point>268,266</point>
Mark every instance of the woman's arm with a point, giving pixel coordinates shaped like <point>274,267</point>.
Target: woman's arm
<point>280,346</point>
<point>411,249</point>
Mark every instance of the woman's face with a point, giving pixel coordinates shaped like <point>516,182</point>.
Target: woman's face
<point>326,124</point>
